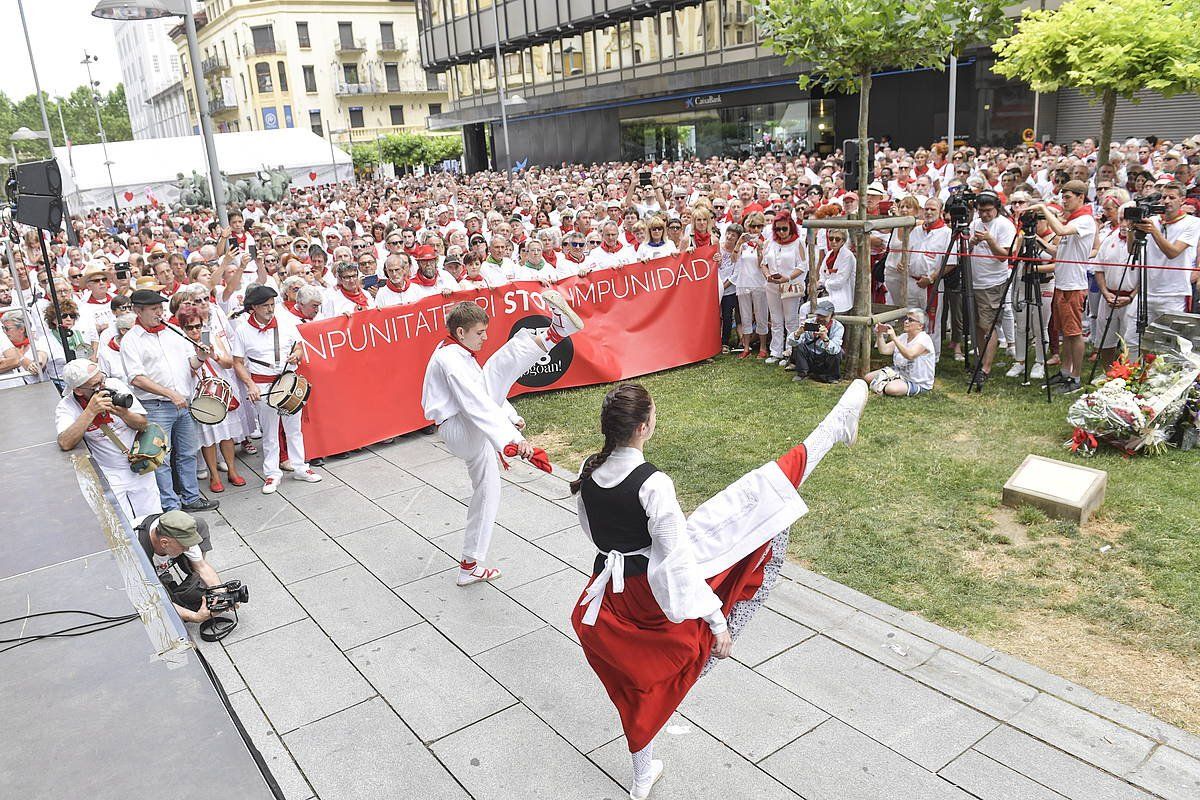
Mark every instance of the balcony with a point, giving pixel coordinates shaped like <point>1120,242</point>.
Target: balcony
<point>218,105</point>
<point>392,46</point>
<point>342,89</point>
<point>350,46</point>
<point>260,49</point>
<point>214,63</point>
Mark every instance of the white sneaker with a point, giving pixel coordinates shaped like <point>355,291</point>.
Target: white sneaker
<point>286,466</point>
<point>1037,372</point>
<point>308,476</point>
<point>202,474</point>
<point>771,360</point>
<point>480,574</point>
<point>640,791</point>
<point>1011,350</point>
<point>1016,370</point>
<point>270,486</point>
<point>222,466</point>
<point>848,411</point>
<point>563,318</point>
<point>257,434</point>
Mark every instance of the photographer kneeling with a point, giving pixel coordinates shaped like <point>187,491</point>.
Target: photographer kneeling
<point>175,542</point>
<point>913,359</point>
<point>817,346</point>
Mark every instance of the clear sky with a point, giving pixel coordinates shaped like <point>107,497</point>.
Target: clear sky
<point>60,31</point>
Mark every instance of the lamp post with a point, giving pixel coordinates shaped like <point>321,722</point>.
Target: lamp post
<point>134,10</point>
<point>329,132</point>
<point>93,86</point>
<point>500,92</point>
<point>37,86</point>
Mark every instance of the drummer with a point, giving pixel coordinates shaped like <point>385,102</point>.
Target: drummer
<point>263,348</point>
<point>217,366</point>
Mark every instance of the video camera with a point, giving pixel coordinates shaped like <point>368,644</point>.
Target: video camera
<point>222,597</point>
<point>1144,207</point>
<point>960,205</point>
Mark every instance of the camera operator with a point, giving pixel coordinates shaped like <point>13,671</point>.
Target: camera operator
<point>175,543</point>
<point>93,402</point>
<point>1076,231</point>
<point>1173,237</point>
<point>992,239</point>
<point>817,346</point>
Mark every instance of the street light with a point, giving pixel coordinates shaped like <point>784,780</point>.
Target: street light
<point>329,132</point>
<point>23,134</point>
<point>134,10</point>
<point>93,86</point>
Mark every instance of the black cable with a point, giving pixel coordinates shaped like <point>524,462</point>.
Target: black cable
<point>102,623</point>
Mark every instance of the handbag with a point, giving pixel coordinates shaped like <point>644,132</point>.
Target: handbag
<point>150,450</point>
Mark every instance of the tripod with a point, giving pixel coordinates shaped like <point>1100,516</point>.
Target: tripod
<point>976,381</point>
<point>959,246</point>
<point>1137,260</point>
<point>1031,297</point>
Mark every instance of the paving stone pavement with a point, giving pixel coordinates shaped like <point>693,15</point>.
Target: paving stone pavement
<point>361,671</point>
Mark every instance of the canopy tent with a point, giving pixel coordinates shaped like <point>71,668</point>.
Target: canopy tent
<point>146,171</point>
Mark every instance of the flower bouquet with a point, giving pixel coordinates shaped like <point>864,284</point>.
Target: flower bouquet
<point>1138,405</point>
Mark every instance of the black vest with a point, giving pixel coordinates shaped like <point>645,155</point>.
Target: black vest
<point>617,520</point>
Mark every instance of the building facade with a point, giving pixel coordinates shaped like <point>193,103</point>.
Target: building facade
<point>153,79</point>
<point>350,68</point>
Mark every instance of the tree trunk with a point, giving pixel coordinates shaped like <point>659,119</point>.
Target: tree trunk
<point>860,335</point>
<point>1106,125</point>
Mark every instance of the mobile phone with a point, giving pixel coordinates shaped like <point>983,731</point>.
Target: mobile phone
<point>122,270</point>
<point>206,338</point>
<point>254,252</point>
<point>233,242</point>
<point>645,178</point>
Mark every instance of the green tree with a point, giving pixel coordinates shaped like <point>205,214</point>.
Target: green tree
<point>77,115</point>
<point>840,43</point>
<point>1106,49</point>
<point>365,156</point>
<point>408,150</point>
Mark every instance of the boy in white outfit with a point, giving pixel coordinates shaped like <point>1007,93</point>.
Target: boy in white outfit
<point>469,404</point>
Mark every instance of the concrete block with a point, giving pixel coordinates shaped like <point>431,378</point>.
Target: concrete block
<point>549,674</point>
<point>426,510</point>
<point>434,688</point>
<point>373,477</point>
<point>352,606</point>
<point>768,635</point>
<point>256,511</point>
<point>297,551</point>
<point>808,607</point>
<point>1149,726</point>
<point>530,516</point>
<point>340,510</point>
<point>571,546</point>
<point>273,751</point>
<point>1169,773</point>
<point>991,780</point>
<point>271,606</point>
<point>218,659</point>
<point>228,549</point>
<point>448,475</point>
<point>410,451</point>
<point>836,761</point>
<point>476,617</point>
<point>553,598</point>
<point>518,560</point>
<point>911,719</point>
<point>395,553</point>
<point>695,766</point>
<point>292,490</point>
<point>1053,768</point>
<point>765,718</point>
<point>366,753</point>
<point>298,675</point>
<point>1035,676</point>
<point>1083,734</point>
<point>514,754</point>
<point>1063,490</point>
<point>885,643</point>
<point>980,687</point>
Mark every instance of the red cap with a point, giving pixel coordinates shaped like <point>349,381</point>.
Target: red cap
<point>425,252</point>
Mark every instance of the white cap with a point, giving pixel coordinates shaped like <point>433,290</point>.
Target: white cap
<point>330,231</point>
<point>78,372</point>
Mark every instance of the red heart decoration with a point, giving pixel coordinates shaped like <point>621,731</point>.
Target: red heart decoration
<point>128,197</point>
<point>312,176</point>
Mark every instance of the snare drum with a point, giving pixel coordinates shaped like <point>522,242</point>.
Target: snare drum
<point>288,393</point>
<point>212,401</point>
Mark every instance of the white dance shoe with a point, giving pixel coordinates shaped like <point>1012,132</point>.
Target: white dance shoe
<point>641,789</point>
<point>848,412</point>
<point>563,318</point>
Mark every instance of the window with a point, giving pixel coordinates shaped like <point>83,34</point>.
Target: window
<point>314,122</point>
<point>689,31</point>
<point>435,108</point>
<point>464,83</point>
<point>346,35</point>
<point>573,59</point>
<point>264,39</point>
<point>433,82</point>
<point>302,35</point>
<point>645,41</point>
<point>433,12</point>
<point>281,68</point>
<point>356,117</point>
<point>540,69</point>
<point>387,36</point>
<point>712,26</point>
<point>391,74</point>
<point>608,49</point>
<point>397,114</point>
<point>310,79</point>
<point>460,7</point>
<point>738,27</point>
<point>262,77</point>
<point>666,30</point>
<point>350,73</point>
<point>514,72</point>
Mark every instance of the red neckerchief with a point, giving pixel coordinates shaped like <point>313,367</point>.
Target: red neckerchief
<point>423,281</point>
<point>395,287</point>
<point>173,288</point>
<point>274,323</point>
<point>359,298</point>
<point>1079,212</point>
<point>152,329</point>
<point>614,249</point>
<point>702,239</point>
<point>103,418</point>
<point>567,228</point>
<point>292,307</point>
<point>105,301</point>
<point>174,320</point>
<point>629,237</point>
<point>23,343</point>
<point>114,345</point>
<point>1165,222</point>
<point>940,165</point>
<point>575,254</point>
<point>919,171</point>
<point>829,259</point>
<point>933,226</point>
<point>451,340</point>
<point>793,231</point>
<point>551,257</point>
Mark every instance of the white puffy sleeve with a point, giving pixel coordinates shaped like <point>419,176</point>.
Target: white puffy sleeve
<point>673,574</point>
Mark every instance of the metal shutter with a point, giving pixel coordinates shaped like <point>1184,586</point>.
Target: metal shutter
<point>1154,115</point>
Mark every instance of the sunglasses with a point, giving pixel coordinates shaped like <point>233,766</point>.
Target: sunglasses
<point>97,280</point>
<point>782,228</point>
<point>675,227</point>
<point>70,315</point>
<point>909,319</point>
<point>197,327</point>
<point>574,244</point>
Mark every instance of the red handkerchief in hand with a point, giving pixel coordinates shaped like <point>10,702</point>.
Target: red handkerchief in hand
<point>538,459</point>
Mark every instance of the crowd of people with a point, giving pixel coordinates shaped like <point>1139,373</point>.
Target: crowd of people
<point>160,299</point>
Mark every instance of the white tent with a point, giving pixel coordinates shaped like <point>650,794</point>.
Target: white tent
<point>145,171</point>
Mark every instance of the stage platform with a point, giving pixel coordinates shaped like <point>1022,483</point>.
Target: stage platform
<point>124,713</point>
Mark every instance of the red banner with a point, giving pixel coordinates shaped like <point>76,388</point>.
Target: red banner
<point>366,370</point>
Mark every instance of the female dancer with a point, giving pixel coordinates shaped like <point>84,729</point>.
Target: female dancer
<point>668,593</point>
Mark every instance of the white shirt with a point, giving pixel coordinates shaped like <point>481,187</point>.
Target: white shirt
<point>418,292</point>
<point>1172,282</point>
<point>110,457</point>
<point>162,357</point>
<point>838,278</point>
<point>933,241</point>
<point>688,595</point>
<point>919,370</point>
<point>746,273</point>
<point>522,272</point>
<point>94,316</point>
<point>988,269</point>
<point>600,258</point>
<point>111,363</point>
<point>249,342</point>
<point>648,252</point>
<point>454,385</point>
<point>336,303</point>
<point>1075,248</point>
<point>1110,260</point>
<point>784,259</point>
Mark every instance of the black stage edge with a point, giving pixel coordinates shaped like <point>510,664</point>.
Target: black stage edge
<point>124,713</point>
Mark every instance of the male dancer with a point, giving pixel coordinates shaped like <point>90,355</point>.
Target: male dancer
<point>468,402</point>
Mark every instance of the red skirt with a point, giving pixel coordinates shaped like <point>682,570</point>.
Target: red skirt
<point>648,663</point>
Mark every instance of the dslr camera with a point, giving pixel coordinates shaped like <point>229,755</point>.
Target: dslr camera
<point>811,325</point>
<point>1144,207</point>
<point>118,398</point>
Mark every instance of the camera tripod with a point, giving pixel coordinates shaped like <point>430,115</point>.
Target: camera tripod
<point>959,246</point>
<point>1136,260</point>
<point>1031,297</point>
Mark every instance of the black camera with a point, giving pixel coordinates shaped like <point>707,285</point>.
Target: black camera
<point>811,325</point>
<point>1144,208</point>
<point>645,179</point>
<point>224,596</point>
<point>959,206</point>
<point>117,398</point>
<point>1030,219</point>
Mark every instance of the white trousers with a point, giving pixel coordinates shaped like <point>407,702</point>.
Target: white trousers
<point>1124,321</point>
<point>752,311</point>
<point>784,315</point>
<point>1019,316</point>
<point>467,442</point>
<point>268,420</point>
<point>138,498</point>
<point>895,289</point>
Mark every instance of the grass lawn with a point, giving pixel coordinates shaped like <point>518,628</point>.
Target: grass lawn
<point>911,515</point>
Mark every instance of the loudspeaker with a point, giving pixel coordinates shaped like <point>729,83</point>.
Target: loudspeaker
<point>850,157</point>
<point>39,177</point>
<point>36,190</point>
<point>39,211</point>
